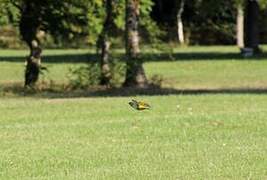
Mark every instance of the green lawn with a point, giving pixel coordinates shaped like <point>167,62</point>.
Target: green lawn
<point>190,68</point>
<point>189,134</point>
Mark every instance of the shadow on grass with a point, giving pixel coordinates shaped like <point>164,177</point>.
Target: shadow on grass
<point>59,92</point>
<point>147,57</point>
<point>198,56</point>
<point>157,91</point>
<point>62,58</point>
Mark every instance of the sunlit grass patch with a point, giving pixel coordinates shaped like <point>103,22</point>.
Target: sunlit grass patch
<point>208,136</point>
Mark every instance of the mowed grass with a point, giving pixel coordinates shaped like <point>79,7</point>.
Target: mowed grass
<point>58,63</point>
<point>214,135</point>
<point>181,137</point>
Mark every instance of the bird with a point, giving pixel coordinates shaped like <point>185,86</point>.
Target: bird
<point>139,105</point>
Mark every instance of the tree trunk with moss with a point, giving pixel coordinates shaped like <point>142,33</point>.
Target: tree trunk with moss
<point>105,45</point>
<point>135,74</point>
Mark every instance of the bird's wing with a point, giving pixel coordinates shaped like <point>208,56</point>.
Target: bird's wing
<point>143,105</point>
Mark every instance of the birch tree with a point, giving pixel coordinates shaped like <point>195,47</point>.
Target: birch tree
<point>135,74</point>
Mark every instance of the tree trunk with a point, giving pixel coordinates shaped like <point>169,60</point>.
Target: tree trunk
<point>180,29</point>
<point>252,25</point>
<point>29,26</point>
<point>135,74</point>
<point>105,69</point>
<point>105,45</point>
<point>240,27</point>
<point>33,64</point>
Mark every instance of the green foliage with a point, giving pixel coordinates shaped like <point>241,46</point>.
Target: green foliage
<point>95,15</point>
<point>84,76</point>
<point>156,80</point>
<point>89,75</point>
<point>8,13</point>
<point>117,69</point>
<point>77,23</point>
<point>4,20</point>
<point>211,25</point>
<point>119,10</point>
<point>74,21</point>
<point>239,2</point>
<point>263,4</point>
<point>149,29</point>
<point>65,20</point>
<point>9,37</point>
